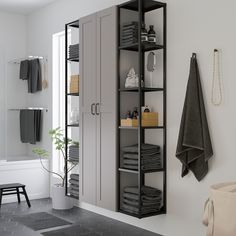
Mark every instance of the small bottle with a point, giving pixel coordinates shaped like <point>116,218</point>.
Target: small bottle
<point>144,34</point>
<point>135,113</point>
<point>152,35</point>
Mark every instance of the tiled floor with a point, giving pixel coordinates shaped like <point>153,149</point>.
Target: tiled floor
<point>97,224</point>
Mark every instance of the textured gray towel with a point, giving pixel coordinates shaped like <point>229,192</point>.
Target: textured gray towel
<point>194,147</point>
<point>74,182</point>
<point>35,76</point>
<point>146,190</point>
<point>74,177</point>
<point>30,126</point>
<point>146,148</point>
<point>24,70</point>
<point>144,209</point>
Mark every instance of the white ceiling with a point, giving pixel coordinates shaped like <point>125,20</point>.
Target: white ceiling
<point>23,6</point>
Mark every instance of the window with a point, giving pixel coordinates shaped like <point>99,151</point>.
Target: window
<point>58,92</point>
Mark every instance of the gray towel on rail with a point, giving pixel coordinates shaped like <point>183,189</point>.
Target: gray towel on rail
<point>194,147</point>
<point>35,76</point>
<point>30,126</point>
<point>24,70</point>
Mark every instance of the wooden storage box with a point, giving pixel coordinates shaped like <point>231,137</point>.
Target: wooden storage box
<point>74,84</point>
<point>148,119</point>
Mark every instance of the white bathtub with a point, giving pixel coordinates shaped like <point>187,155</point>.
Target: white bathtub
<point>27,172</point>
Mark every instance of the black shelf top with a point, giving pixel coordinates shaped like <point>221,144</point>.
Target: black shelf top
<point>148,5</point>
<point>160,212</point>
<point>73,94</point>
<point>145,47</point>
<point>143,127</point>
<point>142,89</point>
<point>73,161</point>
<point>73,125</point>
<point>69,195</point>
<point>128,170</point>
<point>74,24</point>
<point>74,59</point>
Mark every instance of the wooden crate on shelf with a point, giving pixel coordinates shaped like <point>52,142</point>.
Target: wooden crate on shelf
<point>148,119</point>
<point>74,83</point>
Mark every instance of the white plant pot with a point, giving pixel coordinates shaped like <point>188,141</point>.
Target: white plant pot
<point>59,200</point>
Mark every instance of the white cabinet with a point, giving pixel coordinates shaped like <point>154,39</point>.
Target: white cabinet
<point>98,119</point>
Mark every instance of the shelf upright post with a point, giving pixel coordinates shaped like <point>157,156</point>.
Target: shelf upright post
<point>164,108</point>
<point>140,102</point>
<point>66,106</point>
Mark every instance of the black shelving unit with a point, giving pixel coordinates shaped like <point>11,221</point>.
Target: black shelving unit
<point>141,7</point>
<point>74,24</point>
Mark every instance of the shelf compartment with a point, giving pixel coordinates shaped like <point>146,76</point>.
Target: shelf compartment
<point>142,90</point>
<point>73,94</point>
<point>73,59</point>
<point>148,5</point>
<point>145,47</point>
<point>73,125</point>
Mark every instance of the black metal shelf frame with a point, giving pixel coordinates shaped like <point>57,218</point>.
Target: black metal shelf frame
<point>74,24</point>
<point>143,6</point>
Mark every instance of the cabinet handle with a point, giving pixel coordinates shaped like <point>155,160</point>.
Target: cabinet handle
<point>92,109</point>
<point>96,109</point>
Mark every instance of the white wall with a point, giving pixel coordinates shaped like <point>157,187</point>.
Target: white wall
<point>12,90</point>
<point>193,26</point>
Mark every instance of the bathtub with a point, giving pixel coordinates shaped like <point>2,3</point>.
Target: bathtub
<point>28,172</point>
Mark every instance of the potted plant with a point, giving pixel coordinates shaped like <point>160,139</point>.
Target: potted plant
<point>59,200</point>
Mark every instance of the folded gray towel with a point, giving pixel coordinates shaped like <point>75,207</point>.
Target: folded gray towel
<point>194,147</point>
<point>146,148</point>
<point>151,167</point>
<point>144,210</point>
<point>74,177</point>
<point>74,182</point>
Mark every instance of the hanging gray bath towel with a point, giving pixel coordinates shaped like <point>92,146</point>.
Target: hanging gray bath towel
<point>194,147</point>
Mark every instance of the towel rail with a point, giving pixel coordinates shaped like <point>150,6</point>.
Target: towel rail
<point>28,108</point>
<point>18,60</point>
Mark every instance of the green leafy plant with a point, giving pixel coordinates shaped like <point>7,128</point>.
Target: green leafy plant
<point>60,143</point>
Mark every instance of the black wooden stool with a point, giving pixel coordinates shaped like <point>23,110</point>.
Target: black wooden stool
<point>11,189</point>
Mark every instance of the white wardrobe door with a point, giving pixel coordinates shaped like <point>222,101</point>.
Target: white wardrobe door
<point>88,171</point>
<point>106,94</point>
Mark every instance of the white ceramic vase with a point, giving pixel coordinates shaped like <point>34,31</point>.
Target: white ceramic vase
<point>59,200</point>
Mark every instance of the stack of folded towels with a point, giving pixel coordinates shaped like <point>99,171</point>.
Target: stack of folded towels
<point>129,33</point>
<point>74,51</point>
<point>74,185</point>
<point>74,153</point>
<point>151,200</point>
<point>150,157</point>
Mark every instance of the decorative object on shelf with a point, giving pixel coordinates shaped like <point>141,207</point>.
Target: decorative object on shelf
<point>194,147</point>
<point>146,109</point>
<point>144,34</point>
<point>129,115</point>
<point>149,119</point>
<point>74,84</point>
<point>74,116</point>
<point>59,200</point>
<point>135,113</point>
<point>152,35</point>
<point>129,33</point>
<point>151,66</point>
<point>216,92</point>
<point>132,79</point>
